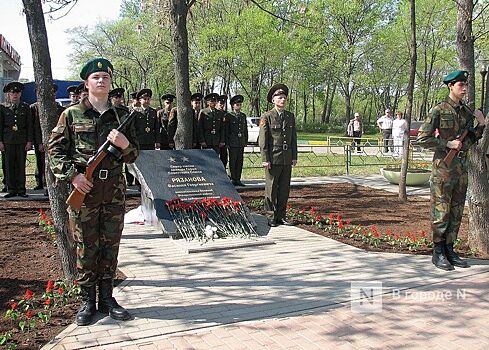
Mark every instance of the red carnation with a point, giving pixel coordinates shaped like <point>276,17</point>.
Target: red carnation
<point>29,314</point>
<point>13,306</point>
<point>28,294</point>
<point>60,290</point>
<point>47,301</point>
<point>50,286</point>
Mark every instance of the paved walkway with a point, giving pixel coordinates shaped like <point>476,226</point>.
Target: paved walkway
<point>302,291</point>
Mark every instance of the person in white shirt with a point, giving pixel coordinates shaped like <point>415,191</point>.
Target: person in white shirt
<point>399,128</point>
<point>385,125</point>
<point>355,130</point>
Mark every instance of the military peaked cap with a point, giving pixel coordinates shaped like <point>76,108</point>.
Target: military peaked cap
<point>119,92</point>
<point>144,93</point>
<point>71,89</point>
<point>276,90</point>
<point>13,86</point>
<point>222,98</point>
<point>236,99</point>
<point>196,97</point>
<point>80,88</point>
<point>96,65</point>
<point>168,97</point>
<point>134,95</point>
<point>458,75</point>
<point>211,96</point>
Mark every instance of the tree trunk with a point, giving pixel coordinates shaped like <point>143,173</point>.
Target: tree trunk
<point>58,190</point>
<point>304,100</point>
<point>409,106</point>
<point>330,103</point>
<point>313,104</point>
<point>325,105</point>
<point>179,40</point>
<point>478,192</point>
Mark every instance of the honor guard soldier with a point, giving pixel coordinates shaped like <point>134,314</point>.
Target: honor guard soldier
<point>134,101</point>
<point>196,103</point>
<point>116,97</point>
<point>147,123</point>
<point>73,95</point>
<point>16,136</point>
<point>98,224</point>
<point>168,126</point>
<point>222,106</point>
<point>439,133</point>
<point>210,126</point>
<point>278,147</point>
<point>81,91</point>
<point>236,139</point>
<point>39,148</point>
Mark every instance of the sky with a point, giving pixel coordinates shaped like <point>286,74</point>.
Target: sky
<point>86,12</point>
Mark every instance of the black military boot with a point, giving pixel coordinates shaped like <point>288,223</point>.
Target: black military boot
<point>453,257</point>
<point>87,309</point>
<point>107,303</point>
<point>439,259</point>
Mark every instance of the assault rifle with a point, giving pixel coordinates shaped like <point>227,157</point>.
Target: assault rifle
<point>453,152</point>
<point>76,198</point>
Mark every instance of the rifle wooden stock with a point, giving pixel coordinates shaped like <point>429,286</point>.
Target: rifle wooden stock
<point>453,152</point>
<point>76,198</point>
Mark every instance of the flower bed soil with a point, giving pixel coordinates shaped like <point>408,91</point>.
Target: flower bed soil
<point>28,258</point>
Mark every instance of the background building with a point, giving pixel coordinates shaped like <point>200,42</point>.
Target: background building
<point>9,65</point>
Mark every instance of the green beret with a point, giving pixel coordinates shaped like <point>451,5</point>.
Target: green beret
<point>236,99</point>
<point>96,65</point>
<point>458,75</point>
<point>277,89</point>
<point>13,86</point>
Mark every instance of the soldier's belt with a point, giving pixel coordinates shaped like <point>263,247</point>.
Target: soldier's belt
<point>104,174</point>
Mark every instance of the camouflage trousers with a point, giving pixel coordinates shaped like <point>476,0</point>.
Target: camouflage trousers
<point>448,191</point>
<point>97,229</point>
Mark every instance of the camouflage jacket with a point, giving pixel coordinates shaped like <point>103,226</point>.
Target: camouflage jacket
<point>278,138</point>
<point>16,125</point>
<point>81,130</point>
<point>237,130</point>
<point>444,123</point>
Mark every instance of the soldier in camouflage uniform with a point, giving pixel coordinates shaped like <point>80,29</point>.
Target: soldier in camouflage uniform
<point>439,133</point>
<point>236,139</point>
<point>97,226</point>
<point>16,136</point>
<point>210,125</point>
<point>278,147</point>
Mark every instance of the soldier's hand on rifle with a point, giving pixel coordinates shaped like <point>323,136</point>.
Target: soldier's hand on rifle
<point>118,139</point>
<point>81,183</point>
<point>455,144</point>
<point>480,117</point>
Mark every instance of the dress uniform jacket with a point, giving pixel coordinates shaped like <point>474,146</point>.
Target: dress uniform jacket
<point>147,128</point>
<point>211,127</point>
<point>16,125</point>
<point>278,138</point>
<point>448,183</point>
<point>164,117</point>
<point>237,130</point>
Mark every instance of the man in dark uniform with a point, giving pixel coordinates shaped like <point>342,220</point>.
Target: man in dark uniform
<point>236,139</point>
<point>222,106</point>
<point>16,136</point>
<point>134,101</point>
<point>196,103</point>
<point>147,123</point>
<point>116,97</point>
<point>81,91</point>
<point>97,226</point>
<point>39,148</point>
<point>168,128</point>
<point>73,95</point>
<point>210,126</point>
<point>449,182</point>
<point>278,148</point>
